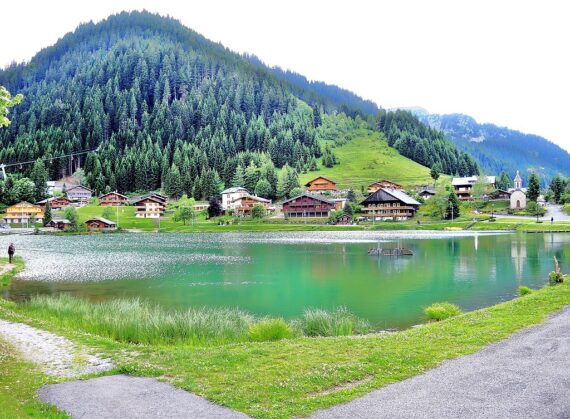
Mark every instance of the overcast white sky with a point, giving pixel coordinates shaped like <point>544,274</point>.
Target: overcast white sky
<point>505,62</point>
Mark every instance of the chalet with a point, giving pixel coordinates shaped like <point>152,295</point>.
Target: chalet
<point>307,205</point>
<point>59,224</point>
<point>320,185</point>
<point>389,204</point>
<point>54,187</point>
<point>55,202</point>
<point>23,213</point>
<point>112,199</point>
<point>201,206</point>
<point>464,185</point>
<point>149,207</point>
<point>426,193</point>
<point>231,194</point>
<point>79,193</point>
<point>373,187</point>
<point>243,206</point>
<point>100,223</point>
<point>502,194</point>
<point>339,203</point>
<point>344,219</point>
<point>159,196</point>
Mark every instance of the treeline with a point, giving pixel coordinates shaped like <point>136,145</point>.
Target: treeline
<point>164,106</point>
<point>423,144</point>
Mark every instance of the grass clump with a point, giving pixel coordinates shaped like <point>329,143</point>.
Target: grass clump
<point>524,290</point>
<point>137,321</point>
<point>339,322</point>
<point>6,277</point>
<point>269,330</point>
<point>441,311</point>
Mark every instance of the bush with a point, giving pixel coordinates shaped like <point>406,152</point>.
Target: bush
<point>524,290</point>
<point>441,311</point>
<point>339,322</point>
<point>269,330</point>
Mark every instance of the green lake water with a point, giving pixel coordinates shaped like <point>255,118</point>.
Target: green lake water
<point>281,274</point>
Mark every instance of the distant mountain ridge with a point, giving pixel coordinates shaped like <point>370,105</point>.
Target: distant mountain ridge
<point>499,149</point>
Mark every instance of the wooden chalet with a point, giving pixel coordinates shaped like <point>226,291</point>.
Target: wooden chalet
<point>307,205</point>
<point>23,212</point>
<point>464,185</point>
<point>390,204</point>
<point>426,193</point>
<point>502,194</point>
<point>59,224</point>
<point>243,205</point>
<point>56,202</point>
<point>79,193</point>
<point>100,223</point>
<point>113,199</point>
<point>149,207</point>
<point>373,187</point>
<point>321,184</point>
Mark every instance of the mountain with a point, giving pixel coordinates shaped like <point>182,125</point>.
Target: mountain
<point>499,149</point>
<point>164,106</point>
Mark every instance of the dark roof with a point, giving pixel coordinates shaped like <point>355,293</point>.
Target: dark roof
<point>151,197</point>
<point>103,220</point>
<point>79,186</point>
<point>113,193</point>
<point>63,221</point>
<point>384,180</point>
<point>390,195</point>
<point>427,190</point>
<point>319,198</point>
<point>319,177</point>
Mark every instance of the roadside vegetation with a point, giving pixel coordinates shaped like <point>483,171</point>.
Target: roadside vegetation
<point>6,275</point>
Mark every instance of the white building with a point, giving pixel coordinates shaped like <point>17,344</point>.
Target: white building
<point>231,195</point>
<point>518,194</point>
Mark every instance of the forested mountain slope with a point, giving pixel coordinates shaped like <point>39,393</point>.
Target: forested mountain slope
<point>166,107</point>
<point>501,149</point>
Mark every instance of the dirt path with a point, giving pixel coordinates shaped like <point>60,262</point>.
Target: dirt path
<point>524,376</point>
<point>54,354</point>
<point>6,267</point>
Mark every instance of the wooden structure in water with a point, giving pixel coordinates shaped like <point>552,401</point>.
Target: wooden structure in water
<point>396,251</point>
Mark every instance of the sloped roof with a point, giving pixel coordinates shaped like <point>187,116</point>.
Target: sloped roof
<point>113,193</point>
<point>319,177</point>
<point>254,198</point>
<point>234,190</point>
<point>79,186</point>
<point>470,180</point>
<point>383,194</point>
<point>103,220</point>
<point>384,180</point>
<point>317,197</point>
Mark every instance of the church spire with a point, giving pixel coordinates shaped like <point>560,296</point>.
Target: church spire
<point>518,181</point>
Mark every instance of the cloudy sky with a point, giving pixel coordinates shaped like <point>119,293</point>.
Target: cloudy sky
<point>505,62</point>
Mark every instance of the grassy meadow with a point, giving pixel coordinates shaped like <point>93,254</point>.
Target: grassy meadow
<point>297,375</point>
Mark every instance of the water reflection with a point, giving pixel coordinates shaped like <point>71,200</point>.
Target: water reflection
<point>284,273</point>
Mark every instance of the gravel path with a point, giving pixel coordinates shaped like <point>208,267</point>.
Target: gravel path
<point>54,354</point>
<point>524,376</point>
<point>121,396</point>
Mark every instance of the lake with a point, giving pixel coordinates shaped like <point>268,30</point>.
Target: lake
<point>281,274</point>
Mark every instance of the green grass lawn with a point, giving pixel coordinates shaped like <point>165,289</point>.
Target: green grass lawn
<point>7,276</point>
<point>295,377</point>
<point>367,158</point>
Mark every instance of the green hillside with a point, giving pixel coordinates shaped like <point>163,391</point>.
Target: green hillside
<point>365,157</point>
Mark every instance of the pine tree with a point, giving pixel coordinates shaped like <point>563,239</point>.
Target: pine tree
<point>263,188</point>
<point>252,175</point>
<point>214,207</point>
<point>557,187</point>
<point>239,177</point>
<point>47,214</point>
<point>39,176</point>
<point>452,210</point>
<point>533,190</point>
<point>435,172</point>
<point>173,183</point>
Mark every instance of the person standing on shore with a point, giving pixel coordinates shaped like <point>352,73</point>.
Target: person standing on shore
<point>11,251</point>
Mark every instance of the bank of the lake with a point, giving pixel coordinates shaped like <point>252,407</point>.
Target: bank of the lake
<point>295,377</point>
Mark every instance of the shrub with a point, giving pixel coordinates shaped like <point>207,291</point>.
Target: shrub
<point>524,290</point>
<point>269,330</point>
<point>441,311</point>
<point>339,322</point>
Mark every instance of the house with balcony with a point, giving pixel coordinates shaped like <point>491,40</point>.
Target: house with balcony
<point>308,205</point>
<point>463,186</point>
<point>389,204</point>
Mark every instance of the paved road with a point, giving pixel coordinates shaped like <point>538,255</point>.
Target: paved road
<point>552,211</point>
<point>121,396</point>
<point>524,376</point>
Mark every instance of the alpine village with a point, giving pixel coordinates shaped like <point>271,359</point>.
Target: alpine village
<point>186,231</point>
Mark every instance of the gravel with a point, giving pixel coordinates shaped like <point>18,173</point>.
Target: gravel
<point>54,354</point>
<point>121,396</point>
<point>524,376</point>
